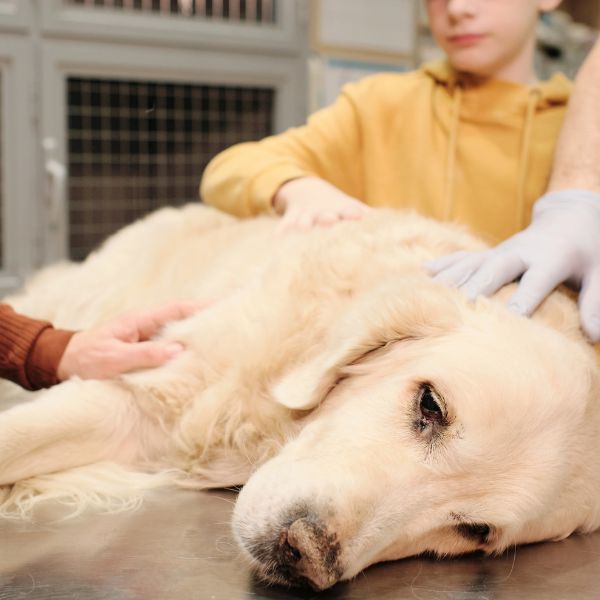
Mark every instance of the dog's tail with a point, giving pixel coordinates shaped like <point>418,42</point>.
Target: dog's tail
<point>101,487</point>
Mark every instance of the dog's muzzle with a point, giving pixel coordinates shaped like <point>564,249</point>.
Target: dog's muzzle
<point>301,552</point>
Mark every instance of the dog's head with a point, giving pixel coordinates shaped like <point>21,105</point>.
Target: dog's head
<point>436,426</point>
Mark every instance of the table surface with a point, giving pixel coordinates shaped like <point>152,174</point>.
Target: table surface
<point>178,545</point>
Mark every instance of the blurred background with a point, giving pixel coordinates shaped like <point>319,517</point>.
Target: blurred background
<point>112,108</point>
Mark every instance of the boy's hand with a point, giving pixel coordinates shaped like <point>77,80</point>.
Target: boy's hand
<point>123,344</point>
<point>310,202</point>
<point>561,244</point>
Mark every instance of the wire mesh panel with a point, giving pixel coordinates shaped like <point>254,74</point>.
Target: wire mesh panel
<point>255,11</point>
<point>135,146</point>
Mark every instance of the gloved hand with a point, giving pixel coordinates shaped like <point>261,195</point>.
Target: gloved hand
<point>562,244</point>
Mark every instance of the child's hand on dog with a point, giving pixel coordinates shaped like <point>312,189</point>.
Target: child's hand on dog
<point>310,202</point>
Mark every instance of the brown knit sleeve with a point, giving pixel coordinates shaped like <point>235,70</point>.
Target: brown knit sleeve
<point>30,350</point>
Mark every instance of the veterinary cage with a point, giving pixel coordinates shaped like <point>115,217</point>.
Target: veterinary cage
<point>112,108</point>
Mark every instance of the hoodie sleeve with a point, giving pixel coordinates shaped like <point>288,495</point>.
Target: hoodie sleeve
<point>30,350</point>
<point>243,179</point>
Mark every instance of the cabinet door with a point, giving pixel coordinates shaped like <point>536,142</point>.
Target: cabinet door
<point>128,128</point>
<point>112,108</point>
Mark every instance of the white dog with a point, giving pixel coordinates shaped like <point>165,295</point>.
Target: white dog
<point>373,413</point>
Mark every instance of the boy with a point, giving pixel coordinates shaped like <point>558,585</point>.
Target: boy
<point>469,139</point>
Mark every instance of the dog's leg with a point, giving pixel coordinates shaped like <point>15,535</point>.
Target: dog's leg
<point>73,424</point>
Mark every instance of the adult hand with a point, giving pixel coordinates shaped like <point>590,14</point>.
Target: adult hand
<point>123,344</point>
<point>309,202</point>
<point>562,244</point>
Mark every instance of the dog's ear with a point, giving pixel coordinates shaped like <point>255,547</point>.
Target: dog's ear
<point>407,309</point>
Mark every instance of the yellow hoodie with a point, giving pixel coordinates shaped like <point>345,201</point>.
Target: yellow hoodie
<point>480,155</point>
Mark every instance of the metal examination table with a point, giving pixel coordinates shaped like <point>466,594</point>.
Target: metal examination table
<point>178,546</point>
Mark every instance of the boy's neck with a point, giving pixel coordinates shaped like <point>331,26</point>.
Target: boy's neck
<point>471,80</point>
<point>519,71</point>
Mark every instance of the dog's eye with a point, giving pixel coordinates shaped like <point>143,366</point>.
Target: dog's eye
<point>430,405</point>
<point>476,532</point>
<point>430,412</point>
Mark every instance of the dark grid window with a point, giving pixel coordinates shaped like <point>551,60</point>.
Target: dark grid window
<point>253,11</point>
<point>135,146</point>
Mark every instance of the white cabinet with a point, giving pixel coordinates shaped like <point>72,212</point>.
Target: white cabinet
<point>112,108</point>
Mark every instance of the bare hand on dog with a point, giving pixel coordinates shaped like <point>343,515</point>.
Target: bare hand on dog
<point>124,344</point>
<point>310,202</point>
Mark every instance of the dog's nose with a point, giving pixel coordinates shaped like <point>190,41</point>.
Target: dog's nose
<point>306,550</point>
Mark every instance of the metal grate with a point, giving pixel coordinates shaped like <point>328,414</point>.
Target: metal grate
<point>253,11</point>
<point>135,146</point>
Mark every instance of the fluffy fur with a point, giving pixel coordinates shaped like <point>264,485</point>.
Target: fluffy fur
<point>305,379</point>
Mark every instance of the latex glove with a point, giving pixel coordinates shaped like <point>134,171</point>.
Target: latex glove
<point>124,344</point>
<point>562,244</point>
<point>310,202</point>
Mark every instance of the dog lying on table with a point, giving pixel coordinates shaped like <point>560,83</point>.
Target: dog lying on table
<point>372,413</point>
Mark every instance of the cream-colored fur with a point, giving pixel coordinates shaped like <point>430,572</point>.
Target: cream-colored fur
<point>314,354</point>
